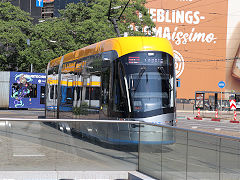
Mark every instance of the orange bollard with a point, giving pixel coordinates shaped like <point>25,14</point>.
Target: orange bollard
<point>198,117</point>
<point>216,116</point>
<point>234,118</point>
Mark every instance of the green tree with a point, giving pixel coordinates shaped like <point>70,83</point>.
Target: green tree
<point>80,25</point>
<point>14,30</point>
<point>50,39</point>
<point>90,24</point>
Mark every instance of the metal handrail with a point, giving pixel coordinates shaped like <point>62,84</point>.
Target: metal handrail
<point>70,120</point>
<point>124,122</point>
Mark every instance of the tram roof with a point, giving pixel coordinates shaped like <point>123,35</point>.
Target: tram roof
<point>123,46</point>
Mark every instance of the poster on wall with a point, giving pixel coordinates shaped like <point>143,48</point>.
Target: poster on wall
<point>199,100</point>
<point>197,31</point>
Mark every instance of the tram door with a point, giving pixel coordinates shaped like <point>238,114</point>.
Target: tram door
<point>42,95</point>
<point>69,97</point>
<point>105,80</point>
<point>51,96</point>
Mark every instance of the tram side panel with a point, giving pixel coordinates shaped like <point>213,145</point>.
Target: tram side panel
<point>4,90</point>
<point>27,90</point>
<point>51,93</point>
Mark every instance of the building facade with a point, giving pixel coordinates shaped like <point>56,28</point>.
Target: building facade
<point>30,7</point>
<point>36,12</point>
<point>47,9</point>
<point>204,35</point>
<point>206,38</point>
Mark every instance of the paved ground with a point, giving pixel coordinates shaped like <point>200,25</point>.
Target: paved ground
<point>223,115</point>
<point>186,120</point>
<point>34,114</point>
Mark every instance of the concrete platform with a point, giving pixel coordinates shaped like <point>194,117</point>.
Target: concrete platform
<point>63,175</point>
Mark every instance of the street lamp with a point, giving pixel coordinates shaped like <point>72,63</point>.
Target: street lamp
<point>52,41</point>
<point>117,7</point>
<point>29,43</point>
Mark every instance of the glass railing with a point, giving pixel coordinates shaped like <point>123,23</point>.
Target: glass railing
<point>68,146</point>
<point>193,155</point>
<point>162,152</point>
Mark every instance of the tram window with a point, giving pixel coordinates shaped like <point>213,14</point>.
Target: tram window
<point>51,92</point>
<point>118,100</point>
<point>95,93</point>
<point>87,93</point>
<point>56,93</point>
<point>69,92</point>
<point>56,70</point>
<point>42,95</point>
<point>92,93</point>
<point>69,97</point>
<point>78,92</point>
<point>50,71</point>
<point>105,87</point>
<point>53,70</point>
<point>109,55</point>
<point>33,91</point>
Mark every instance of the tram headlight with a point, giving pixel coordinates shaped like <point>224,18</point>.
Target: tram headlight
<point>151,54</point>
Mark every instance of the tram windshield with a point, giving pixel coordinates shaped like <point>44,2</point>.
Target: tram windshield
<point>150,80</point>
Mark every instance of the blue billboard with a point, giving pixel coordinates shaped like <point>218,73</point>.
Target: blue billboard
<point>27,90</point>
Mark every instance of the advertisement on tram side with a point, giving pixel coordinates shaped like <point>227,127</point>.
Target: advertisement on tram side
<point>27,90</point>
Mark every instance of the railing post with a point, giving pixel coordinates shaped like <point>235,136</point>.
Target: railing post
<point>187,158</point>
<point>161,153</point>
<point>138,145</point>
<point>220,144</point>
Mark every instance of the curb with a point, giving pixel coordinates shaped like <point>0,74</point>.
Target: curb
<point>234,121</point>
<point>215,119</point>
<point>198,118</point>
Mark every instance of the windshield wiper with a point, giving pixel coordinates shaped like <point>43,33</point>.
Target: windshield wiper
<point>162,71</point>
<point>142,70</point>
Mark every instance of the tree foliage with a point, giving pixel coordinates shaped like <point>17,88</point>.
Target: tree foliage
<point>49,40</point>
<point>90,20</point>
<point>80,25</point>
<point>15,27</point>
